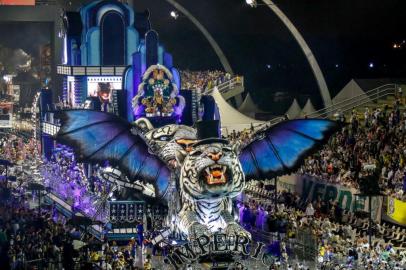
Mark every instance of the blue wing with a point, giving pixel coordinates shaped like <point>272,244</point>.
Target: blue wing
<point>282,148</point>
<point>98,137</point>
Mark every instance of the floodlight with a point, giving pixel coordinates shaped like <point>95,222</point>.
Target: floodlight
<point>252,3</point>
<point>174,14</point>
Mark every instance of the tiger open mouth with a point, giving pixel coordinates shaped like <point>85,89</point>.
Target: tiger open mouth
<point>215,174</point>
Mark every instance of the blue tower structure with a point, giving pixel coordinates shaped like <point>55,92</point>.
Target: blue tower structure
<point>108,35</point>
<point>108,48</point>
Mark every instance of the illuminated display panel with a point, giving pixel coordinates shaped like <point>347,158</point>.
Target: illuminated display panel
<point>17,2</point>
<point>103,87</point>
<point>50,129</point>
<point>71,91</point>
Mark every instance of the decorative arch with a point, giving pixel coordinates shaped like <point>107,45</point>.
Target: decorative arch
<point>220,54</point>
<point>321,82</point>
<point>113,39</point>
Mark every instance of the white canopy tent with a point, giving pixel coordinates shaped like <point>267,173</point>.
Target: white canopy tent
<point>230,118</point>
<point>248,107</point>
<point>308,108</point>
<point>350,91</point>
<point>294,110</point>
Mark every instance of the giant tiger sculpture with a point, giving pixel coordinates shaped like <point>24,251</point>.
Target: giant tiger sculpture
<point>193,170</point>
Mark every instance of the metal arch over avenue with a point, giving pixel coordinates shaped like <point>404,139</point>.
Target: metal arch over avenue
<point>220,54</point>
<point>321,82</point>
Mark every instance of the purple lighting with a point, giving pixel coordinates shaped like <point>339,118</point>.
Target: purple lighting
<point>77,192</point>
<point>67,180</point>
<point>139,111</point>
<point>178,110</point>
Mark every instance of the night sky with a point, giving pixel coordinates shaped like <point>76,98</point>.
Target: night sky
<point>348,33</point>
<point>26,36</point>
<point>344,35</point>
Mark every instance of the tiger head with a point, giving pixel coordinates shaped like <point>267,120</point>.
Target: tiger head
<point>210,171</point>
<point>169,139</point>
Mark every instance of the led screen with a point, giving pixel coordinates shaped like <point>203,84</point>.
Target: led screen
<point>70,95</point>
<point>103,87</point>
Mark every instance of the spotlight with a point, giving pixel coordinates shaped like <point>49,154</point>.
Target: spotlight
<point>371,65</point>
<point>112,197</point>
<point>174,14</point>
<point>7,78</point>
<point>251,3</point>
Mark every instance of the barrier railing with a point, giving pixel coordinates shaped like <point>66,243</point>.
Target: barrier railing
<point>227,85</point>
<point>343,106</point>
<point>357,101</point>
<point>346,105</point>
<point>303,246</point>
<point>265,125</point>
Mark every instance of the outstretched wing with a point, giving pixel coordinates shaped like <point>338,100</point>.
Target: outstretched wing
<point>98,137</point>
<point>282,148</point>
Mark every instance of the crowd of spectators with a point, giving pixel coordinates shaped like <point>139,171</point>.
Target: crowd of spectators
<point>47,240</point>
<point>241,137</point>
<point>339,242</point>
<point>16,148</point>
<point>27,236</point>
<point>203,80</point>
<point>66,178</point>
<point>374,140</point>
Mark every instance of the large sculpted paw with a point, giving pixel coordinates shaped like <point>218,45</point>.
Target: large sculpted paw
<point>236,229</point>
<point>196,230</point>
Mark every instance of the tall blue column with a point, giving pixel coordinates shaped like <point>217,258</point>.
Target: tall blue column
<point>47,145</point>
<point>151,43</point>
